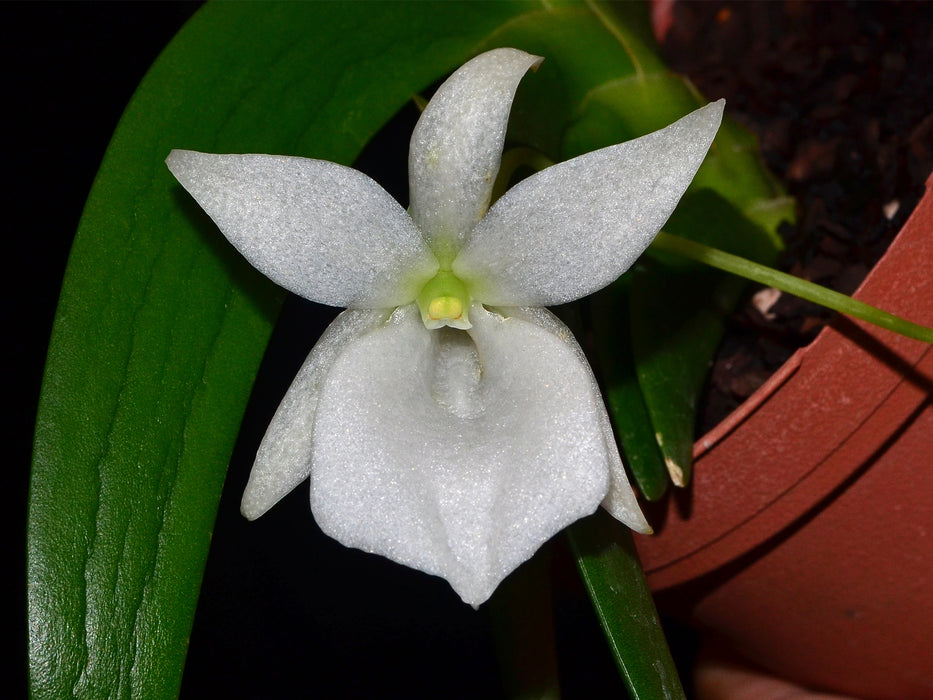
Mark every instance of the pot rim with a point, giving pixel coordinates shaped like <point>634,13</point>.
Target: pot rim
<point>815,426</point>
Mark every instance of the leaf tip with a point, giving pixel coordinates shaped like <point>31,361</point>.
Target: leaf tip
<point>676,472</point>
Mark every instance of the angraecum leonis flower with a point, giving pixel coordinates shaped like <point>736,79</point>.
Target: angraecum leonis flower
<point>446,419</point>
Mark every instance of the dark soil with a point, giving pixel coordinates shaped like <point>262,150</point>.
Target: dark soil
<point>840,96</point>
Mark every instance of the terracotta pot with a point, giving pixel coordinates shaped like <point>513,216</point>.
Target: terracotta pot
<point>806,538</point>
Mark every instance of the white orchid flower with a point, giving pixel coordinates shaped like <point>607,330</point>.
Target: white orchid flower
<point>446,420</point>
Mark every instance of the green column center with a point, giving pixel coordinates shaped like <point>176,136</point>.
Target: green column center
<point>445,301</point>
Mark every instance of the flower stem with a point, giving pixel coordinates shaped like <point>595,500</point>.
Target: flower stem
<point>790,284</point>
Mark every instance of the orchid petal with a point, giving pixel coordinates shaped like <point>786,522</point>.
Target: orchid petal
<point>457,145</point>
<point>621,501</point>
<point>284,457</point>
<point>457,453</point>
<point>321,230</point>
<point>573,228</point>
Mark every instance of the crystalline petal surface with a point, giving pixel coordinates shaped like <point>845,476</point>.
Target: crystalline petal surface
<point>326,232</point>
<point>621,501</point>
<point>573,228</point>
<point>284,457</point>
<point>456,146</point>
<point>457,452</point>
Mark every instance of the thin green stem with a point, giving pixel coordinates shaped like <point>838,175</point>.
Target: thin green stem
<point>790,284</point>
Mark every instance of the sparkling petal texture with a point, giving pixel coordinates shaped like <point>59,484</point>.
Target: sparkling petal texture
<point>284,457</point>
<point>573,228</point>
<point>321,230</point>
<point>457,452</point>
<point>621,501</point>
<point>456,146</point>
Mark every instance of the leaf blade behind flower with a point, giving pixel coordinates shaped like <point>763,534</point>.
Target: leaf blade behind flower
<point>613,576</point>
<point>161,328</point>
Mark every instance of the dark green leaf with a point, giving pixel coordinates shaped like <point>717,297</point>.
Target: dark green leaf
<point>624,397</point>
<point>677,319</point>
<point>607,560</point>
<point>160,328</point>
<point>614,89</point>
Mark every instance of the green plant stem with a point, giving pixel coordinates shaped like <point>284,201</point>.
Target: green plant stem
<point>790,284</point>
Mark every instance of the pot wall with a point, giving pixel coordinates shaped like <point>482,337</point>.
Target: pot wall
<point>806,537</point>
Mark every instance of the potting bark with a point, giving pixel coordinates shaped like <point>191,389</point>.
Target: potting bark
<point>843,107</point>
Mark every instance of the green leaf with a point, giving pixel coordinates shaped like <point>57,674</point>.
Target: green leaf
<point>607,560</point>
<point>603,83</point>
<point>677,317</point>
<point>160,328</point>
<point>624,398</point>
<point>676,328</point>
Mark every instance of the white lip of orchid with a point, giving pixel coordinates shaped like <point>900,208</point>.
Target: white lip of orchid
<point>446,420</point>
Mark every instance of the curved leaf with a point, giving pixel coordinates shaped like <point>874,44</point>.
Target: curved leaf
<point>160,328</point>
<point>610,568</point>
<point>610,318</point>
<point>677,318</point>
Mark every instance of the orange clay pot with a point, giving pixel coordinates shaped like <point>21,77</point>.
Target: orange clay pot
<point>806,538</point>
